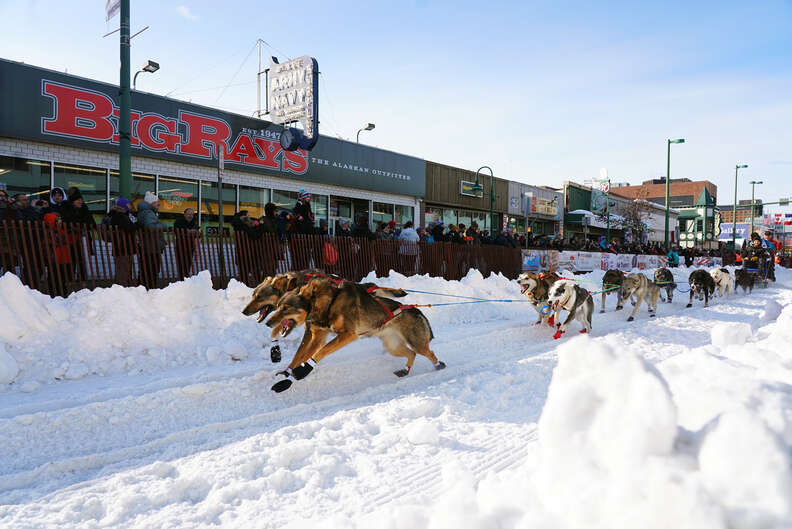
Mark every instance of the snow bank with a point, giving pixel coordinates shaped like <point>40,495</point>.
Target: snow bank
<point>612,455</point>
<point>121,330</point>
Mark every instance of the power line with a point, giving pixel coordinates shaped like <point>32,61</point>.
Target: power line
<point>210,89</point>
<point>237,72</point>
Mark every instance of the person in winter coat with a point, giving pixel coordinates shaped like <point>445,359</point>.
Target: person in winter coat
<point>473,234</point>
<point>772,247</point>
<point>673,258</point>
<point>342,229</point>
<point>60,268</point>
<point>408,248</point>
<point>247,234</point>
<point>437,232</point>
<point>185,233</point>
<point>303,216</point>
<point>78,219</point>
<point>56,198</point>
<point>152,240</point>
<point>123,227</point>
<point>755,255</point>
<point>361,228</point>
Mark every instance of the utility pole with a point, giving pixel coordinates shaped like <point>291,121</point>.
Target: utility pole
<point>124,146</point>
<point>734,208</point>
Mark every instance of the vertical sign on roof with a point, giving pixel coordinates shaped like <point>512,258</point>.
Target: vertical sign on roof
<point>294,97</point>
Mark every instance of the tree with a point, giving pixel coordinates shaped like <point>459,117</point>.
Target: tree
<point>632,217</point>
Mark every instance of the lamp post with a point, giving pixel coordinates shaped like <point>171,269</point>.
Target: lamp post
<point>734,208</point>
<point>753,202</point>
<point>149,67</point>
<point>369,126</point>
<point>668,190</point>
<point>479,187</point>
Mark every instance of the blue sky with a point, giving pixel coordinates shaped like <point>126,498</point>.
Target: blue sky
<point>540,91</point>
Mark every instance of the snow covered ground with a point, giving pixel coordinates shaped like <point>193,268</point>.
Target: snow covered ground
<point>127,408</point>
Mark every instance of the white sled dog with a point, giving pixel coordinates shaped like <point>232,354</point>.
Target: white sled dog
<point>724,282</point>
<point>566,295</point>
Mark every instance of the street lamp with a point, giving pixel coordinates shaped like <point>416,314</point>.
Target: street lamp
<point>478,187</point>
<point>734,208</point>
<point>753,203</point>
<point>668,191</point>
<point>369,126</point>
<point>149,67</point>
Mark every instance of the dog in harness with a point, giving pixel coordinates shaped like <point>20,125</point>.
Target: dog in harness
<point>577,301</point>
<point>724,283</point>
<point>349,311</point>
<point>536,287</point>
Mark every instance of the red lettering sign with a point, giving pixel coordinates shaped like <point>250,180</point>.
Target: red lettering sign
<point>158,133</point>
<point>244,152</point>
<point>203,132</point>
<point>271,149</point>
<point>295,161</point>
<point>79,113</point>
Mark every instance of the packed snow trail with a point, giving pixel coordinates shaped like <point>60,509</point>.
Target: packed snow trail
<point>183,429</point>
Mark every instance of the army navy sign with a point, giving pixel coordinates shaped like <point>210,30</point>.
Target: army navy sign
<point>294,97</point>
<point>42,105</point>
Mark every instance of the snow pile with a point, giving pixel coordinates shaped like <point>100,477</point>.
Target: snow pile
<point>612,455</point>
<point>726,334</point>
<point>120,330</point>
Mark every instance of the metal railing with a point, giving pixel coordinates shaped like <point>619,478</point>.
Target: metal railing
<point>61,259</point>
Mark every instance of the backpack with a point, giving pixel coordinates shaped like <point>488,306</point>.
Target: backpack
<point>330,254</point>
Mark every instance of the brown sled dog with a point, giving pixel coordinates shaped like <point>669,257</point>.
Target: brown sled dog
<point>535,287</point>
<point>266,295</point>
<point>349,311</point>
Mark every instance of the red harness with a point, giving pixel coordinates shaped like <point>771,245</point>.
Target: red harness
<point>334,281</point>
<point>390,313</point>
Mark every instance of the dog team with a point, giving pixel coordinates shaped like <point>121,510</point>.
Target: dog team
<point>328,305</point>
<point>331,307</point>
<point>551,294</point>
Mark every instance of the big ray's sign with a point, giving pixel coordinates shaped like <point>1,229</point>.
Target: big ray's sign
<point>93,116</point>
<point>52,107</point>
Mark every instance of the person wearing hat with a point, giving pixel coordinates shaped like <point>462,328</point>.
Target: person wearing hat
<point>78,220</point>
<point>770,245</point>
<point>152,240</point>
<point>303,225</point>
<point>122,225</point>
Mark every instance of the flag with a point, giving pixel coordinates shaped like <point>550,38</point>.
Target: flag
<point>112,7</point>
<point>788,215</point>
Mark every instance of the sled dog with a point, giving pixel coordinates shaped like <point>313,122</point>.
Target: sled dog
<point>744,279</point>
<point>349,311</point>
<point>723,281</point>
<point>638,285</point>
<point>701,285</point>
<point>665,280</point>
<point>535,287</point>
<point>612,278</point>
<point>566,295</point>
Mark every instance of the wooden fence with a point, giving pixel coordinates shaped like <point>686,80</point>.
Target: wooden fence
<point>65,258</point>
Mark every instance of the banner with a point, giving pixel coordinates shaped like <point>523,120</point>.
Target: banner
<point>625,262</point>
<point>608,261</point>
<point>703,261</point>
<point>531,261</point>
<point>552,260</point>
<point>567,260</point>
<point>642,262</point>
<point>652,261</point>
<point>588,261</point>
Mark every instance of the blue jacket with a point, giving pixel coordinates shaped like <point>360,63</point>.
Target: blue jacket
<point>673,257</point>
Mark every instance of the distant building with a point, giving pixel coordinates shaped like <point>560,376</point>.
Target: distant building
<point>743,213</point>
<point>683,192</point>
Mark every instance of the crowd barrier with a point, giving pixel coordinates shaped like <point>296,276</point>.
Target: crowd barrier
<point>553,260</point>
<point>68,258</point>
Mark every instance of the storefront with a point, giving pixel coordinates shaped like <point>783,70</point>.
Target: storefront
<point>450,198</point>
<point>62,130</point>
<point>535,210</point>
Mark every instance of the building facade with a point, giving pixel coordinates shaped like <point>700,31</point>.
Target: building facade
<point>683,192</point>
<point>536,210</point>
<point>450,198</point>
<point>59,130</point>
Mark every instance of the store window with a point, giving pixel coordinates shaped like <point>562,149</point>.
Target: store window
<point>284,199</point>
<point>319,208</point>
<point>465,217</point>
<point>209,209</point>
<point>20,175</point>
<point>253,199</point>
<point>91,181</point>
<point>382,213</point>
<point>432,215</point>
<point>404,214</point>
<point>176,195</point>
<point>141,183</point>
<point>449,216</point>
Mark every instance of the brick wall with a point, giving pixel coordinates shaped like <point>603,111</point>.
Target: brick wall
<point>676,189</point>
